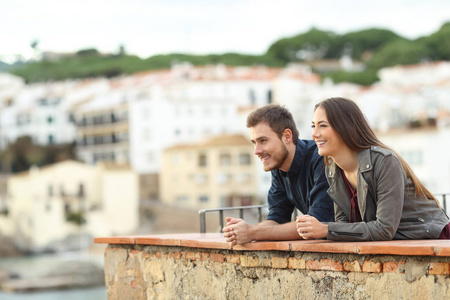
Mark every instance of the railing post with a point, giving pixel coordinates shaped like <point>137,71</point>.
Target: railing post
<point>202,214</point>
<point>221,220</point>
<point>202,221</point>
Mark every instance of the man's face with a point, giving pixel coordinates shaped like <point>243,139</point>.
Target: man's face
<point>269,148</point>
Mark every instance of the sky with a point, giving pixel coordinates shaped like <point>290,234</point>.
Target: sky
<point>149,27</point>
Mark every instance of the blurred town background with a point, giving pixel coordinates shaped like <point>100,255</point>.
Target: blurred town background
<point>103,144</point>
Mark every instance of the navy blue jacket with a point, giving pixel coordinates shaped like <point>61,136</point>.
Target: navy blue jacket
<point>304,186</point>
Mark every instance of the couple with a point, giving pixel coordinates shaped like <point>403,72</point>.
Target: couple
<point>365,191</point>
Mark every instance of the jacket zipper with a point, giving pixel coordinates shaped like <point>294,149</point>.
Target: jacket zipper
<point>347,233</point>
<point>412,220</point>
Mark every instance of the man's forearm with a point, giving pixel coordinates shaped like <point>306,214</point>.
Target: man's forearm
<point>272,231</point>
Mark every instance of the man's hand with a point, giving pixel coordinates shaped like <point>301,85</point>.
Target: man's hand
<point>309,227</point>
<point>237,231</point>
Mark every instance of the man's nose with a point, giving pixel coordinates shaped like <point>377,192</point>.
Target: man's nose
<point>258,150</point>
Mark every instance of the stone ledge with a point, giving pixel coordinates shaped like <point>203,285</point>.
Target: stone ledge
<point>217,241</point>
<point>290,260</point>
<point>140,270</point>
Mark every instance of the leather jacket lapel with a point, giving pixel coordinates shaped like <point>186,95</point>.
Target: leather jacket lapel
<point>364,165</point>
<point>338,191</point>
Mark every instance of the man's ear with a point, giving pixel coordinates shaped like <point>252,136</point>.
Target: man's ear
<point>287,136</point>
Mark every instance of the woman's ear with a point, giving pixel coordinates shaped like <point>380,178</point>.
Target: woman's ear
<point>287,136</point>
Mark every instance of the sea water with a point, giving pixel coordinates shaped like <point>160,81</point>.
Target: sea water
<point>38,265</point>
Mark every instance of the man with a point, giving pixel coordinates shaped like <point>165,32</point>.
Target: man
<point>298,178</point>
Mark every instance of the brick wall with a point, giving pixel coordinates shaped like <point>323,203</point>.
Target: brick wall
<point>170,267</point>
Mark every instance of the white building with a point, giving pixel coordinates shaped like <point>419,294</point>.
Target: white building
<point>42,111</point>
<point>103,128</point>
<point>47,205</point>
<point>410,95</point>
<point>10,85</point>
<point>220,172</point>
<point>190,104</point>
<point>424,74</point>
<point>300,90</point>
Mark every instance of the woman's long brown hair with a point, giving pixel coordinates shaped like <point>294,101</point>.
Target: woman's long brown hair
<point>345,117</point>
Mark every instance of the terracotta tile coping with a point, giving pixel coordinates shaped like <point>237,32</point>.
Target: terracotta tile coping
<point>217,241</point>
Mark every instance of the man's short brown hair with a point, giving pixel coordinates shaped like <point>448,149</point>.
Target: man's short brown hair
<point>277,117</point>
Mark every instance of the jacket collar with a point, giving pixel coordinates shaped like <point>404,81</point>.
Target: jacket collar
<point>299,157</point>
<point>364,163</point>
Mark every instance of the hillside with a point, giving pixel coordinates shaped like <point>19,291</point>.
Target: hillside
<point>374,48</point>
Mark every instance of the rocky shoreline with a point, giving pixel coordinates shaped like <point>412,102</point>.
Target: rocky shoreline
<point>7,248</point>
<point>74,274</point>
<point>61,274</point>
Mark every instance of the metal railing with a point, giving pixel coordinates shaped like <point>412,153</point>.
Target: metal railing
<point>442,198</point>
<point>202,214</point>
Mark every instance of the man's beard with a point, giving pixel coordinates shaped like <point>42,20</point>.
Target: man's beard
<point>278,159</point>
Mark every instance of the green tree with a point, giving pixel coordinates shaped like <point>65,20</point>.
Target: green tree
<point>369,40</point>
<point>314,42</point>
<point>399,52</point>
<point>439,43</point>
<point>23,153</point>
<point>88,52</point>
<point>365,78</point>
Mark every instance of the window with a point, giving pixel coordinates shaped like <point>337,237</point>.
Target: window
<point>62,193</point>
<point>244,177</point>
<point>201,178</point>
<point>225,159</point>
<point>203,199</point>
<point>202,160</point>
<point>223,178</point>
<point>50,139</point>
<point>244,159</point>
<point>181,198</point>
<point>50,119</point>
<point>81,192</point>
<point>252,96</point>
<point>269,96</point>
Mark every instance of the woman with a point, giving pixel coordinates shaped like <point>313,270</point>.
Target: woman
<point>376,195</point>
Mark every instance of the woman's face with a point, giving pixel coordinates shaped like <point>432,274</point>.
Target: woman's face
<point>328,141</point>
